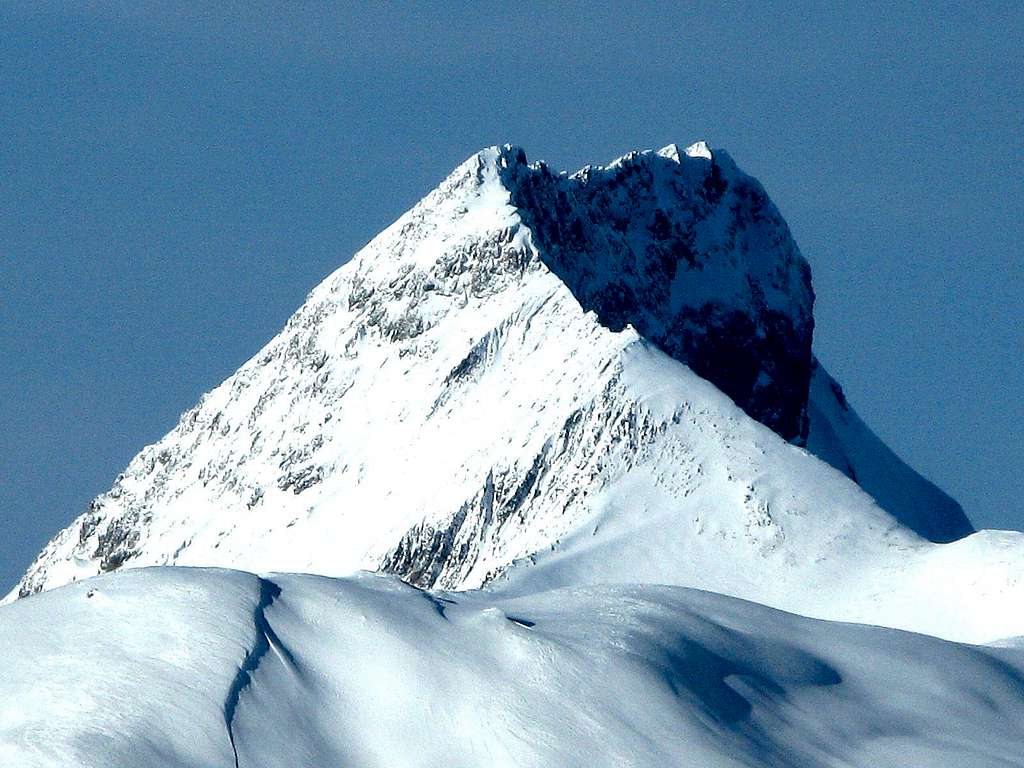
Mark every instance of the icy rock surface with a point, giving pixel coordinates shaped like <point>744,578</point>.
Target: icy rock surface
<point>527,359</point>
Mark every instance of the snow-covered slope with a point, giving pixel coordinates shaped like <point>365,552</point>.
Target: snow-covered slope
<point>188,667</point>
<point>715,500</point>
<point>501,374</point>
<point>838,436</point>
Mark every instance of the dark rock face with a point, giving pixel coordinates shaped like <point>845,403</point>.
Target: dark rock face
<point>691,253</point>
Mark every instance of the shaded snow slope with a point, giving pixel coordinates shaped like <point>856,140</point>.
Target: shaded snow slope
<point>837,435</point>
<point>501,371</point>
<point>184,667</point>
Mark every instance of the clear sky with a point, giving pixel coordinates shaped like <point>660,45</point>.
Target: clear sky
<point>173,182</point>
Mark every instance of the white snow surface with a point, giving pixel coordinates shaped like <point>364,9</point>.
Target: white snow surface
<point>172,667</point>
<point>699,149</point>
<point>442,407</point>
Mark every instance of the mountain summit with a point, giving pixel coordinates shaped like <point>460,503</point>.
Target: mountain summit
<point>603,376</point>
<point>691,253</point>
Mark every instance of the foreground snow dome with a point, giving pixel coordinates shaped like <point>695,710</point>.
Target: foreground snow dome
<point>620,515</point>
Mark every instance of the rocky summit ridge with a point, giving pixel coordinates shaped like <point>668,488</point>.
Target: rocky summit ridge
<point>690,252</point>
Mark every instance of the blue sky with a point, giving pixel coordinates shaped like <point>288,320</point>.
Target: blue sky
<point>174,181</point>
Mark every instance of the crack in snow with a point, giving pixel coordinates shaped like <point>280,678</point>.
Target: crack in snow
<point>266,639</point>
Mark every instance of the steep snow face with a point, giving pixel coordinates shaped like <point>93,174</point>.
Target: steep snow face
<point>837,435</point>
<point>187,667</point>
<point>500,371</point>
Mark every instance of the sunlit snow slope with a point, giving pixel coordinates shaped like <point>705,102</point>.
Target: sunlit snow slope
<point>609,374</point>
<point>171,667</point>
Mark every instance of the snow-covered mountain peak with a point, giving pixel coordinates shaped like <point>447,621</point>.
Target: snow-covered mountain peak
<point>691,253</point>
<point>521,358</point>
<point>568,400</point>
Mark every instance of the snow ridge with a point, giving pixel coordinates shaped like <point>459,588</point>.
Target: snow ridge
<point>631,675</point>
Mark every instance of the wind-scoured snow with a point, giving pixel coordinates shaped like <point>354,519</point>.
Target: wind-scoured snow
<point>172,667</point>
<point>608,375</point>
